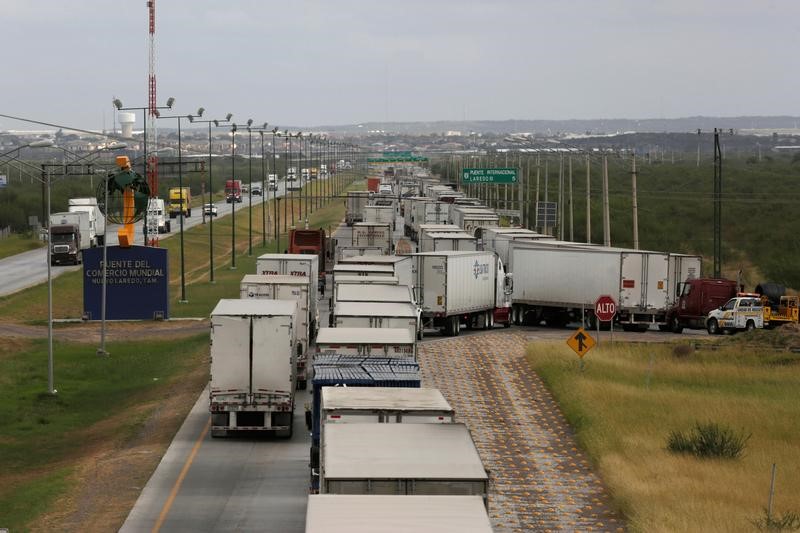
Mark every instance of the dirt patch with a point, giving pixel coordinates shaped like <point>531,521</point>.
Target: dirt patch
<point>115,331</point>
<point>115,464</point>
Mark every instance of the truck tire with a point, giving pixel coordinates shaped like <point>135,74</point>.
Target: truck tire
<point>713,327</point>
<point>675,325</point>
<point>750,326</point>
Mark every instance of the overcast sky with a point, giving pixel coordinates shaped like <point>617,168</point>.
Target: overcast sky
<point>347,61</point>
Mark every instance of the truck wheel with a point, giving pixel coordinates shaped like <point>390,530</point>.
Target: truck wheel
<point>420,334</point>
<point>750,326</point>
<point>713,327</point>
<point>675,325</point>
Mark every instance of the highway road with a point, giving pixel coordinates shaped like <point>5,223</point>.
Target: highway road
<point>24,270</point>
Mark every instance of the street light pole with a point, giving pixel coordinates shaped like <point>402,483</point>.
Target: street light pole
<point>250,188</point>
<point>233,202</point>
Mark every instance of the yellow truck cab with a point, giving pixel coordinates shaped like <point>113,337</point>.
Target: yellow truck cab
<point>179,200</point>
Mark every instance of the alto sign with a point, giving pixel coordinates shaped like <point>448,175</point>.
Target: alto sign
<point>605,308</point>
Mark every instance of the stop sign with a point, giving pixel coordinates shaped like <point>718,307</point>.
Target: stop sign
<point>605,308</point>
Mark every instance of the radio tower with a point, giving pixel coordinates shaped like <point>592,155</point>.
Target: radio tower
<point>152,130</point>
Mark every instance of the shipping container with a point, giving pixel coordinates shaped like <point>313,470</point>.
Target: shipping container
<point>353,513</point>
<point>401,459</point>
<point>289,288</point>
<point>364,234</point>
<point>383,342</point>
<point>253,362</point>
<point>455,287</point>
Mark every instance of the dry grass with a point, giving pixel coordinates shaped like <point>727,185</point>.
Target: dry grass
<point>623,423</point>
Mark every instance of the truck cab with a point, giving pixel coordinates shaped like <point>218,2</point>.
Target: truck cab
<point>65,244</point>
<point>696,298</point>
<point>156,217</point>
<point>180,202</point>
<point>744,312</point>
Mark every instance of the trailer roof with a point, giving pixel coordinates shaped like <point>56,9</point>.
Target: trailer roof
<point>367,280</point>
<point>360,267</point>
<point>340,513</point>
<point>375,309</point>
<point>371,224</point>
<point>456,253</point>
<point>268,279</point>
<point>401,451</point>
<point>394,398</point>
<point>351,292</point>
<point>439,227</point>
<point>449,235</point>
<point>293,257</point>
<point>365,335</point>
<point>374,259</point>
<point>254,307</point>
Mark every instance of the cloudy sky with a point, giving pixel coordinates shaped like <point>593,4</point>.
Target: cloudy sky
<point>305,62</point>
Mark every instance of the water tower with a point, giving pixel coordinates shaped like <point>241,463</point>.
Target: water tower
<point>126,122</point>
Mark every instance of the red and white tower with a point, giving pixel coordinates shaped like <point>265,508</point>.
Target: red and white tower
<point>152,130</point>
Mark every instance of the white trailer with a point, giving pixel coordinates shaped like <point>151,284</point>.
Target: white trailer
<point>499,241</point>
<point>366,280</point>
<point>682,267</point>
<point>383,342</point>
<point>358,269</point>
<point>401,264</point>
<point>97,221</point>
<point>401,459</point>
<point>379,214</point>
<point>428,212</point>
<point>295,288</point>
<point>253,362</point>
<point>349,292</point>
<point>566,281</point>
<point>353,513</point>
<point>80,219</point>
<point>343,252</point>
<point>364,234</point>
<point>289,265</point>
<point>354,208</point>
<point>443,241</point>
<point>376,315</point>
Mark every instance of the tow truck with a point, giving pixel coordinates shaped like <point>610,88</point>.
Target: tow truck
<point>748,311</point>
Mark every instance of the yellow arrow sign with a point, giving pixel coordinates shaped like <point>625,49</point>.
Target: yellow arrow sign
<point>581,342</point>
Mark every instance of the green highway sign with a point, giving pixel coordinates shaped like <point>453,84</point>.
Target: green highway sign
<point>489,175</point>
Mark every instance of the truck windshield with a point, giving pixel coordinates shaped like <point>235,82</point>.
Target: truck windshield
<point>63,237</point>
<point>729,306</point>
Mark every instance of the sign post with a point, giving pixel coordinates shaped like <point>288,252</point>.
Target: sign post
<point>581,342</point>
<point>605,308</point>
<point>489,175</point>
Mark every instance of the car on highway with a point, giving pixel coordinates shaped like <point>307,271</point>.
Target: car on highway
<point>210,210</point>
<point>257,190</point>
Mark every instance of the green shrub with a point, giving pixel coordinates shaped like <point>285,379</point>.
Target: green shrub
<point>708,440</point>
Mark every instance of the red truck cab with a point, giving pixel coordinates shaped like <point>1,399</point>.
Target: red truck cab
<point>310,241</point>
<point>697,298</point>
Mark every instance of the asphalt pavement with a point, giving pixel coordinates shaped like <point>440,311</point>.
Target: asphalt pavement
<point>27,269</point>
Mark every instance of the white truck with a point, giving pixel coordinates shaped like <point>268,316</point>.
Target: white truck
<point>401,264</point>
<point>376,315</point>
<point>383,342</point>
<point>401,459</point>
<point>379,214</point>
<point>97,221</point>
<point>474,219</point>
<point>70,234</point>
<point>289,288</point>
<point>428,212</point>
<point>288,265</point>
<point>253,362</point>
<point>455,287</point>
<point>555,283</point>
<point>157,217</point>
<point>365,234</point>
<point>498,239</point>
<point>354,206</point>
<point>442,241</point>
<point>740,313</point>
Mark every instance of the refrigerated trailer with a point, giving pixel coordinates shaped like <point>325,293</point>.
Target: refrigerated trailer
<point>379,214</point>
<point>295,288</point>
<point>365,234</point>
<point>447,241</point>
<point>556,284</point>
<point>401,459</point>
<point>288,265</point>
<point>354,207</point>
<point>343,252</point>
<point>253,362</point>
<point>383,342</point>
<point>401,264</point>
<point>455,287</point>
<point>376,315</point>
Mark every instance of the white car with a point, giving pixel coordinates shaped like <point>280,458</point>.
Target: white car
<point>210,210</point>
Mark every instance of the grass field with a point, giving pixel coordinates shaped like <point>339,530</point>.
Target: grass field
<point>18,243</point>
<point>628,399</point>
<point>30,305</point>
<point>99,403</point>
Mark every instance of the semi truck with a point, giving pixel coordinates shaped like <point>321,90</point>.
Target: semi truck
<point>379,214</point>
<point>70,234</point>
<point>297,265</point>
<point>233,191</point>
<point>365,234</point>
<point>157,220</point>
<point>354,207</point>
<point>442,241</point>
<point>376,315</point>
<point>311,242</point>
<point>696,299</point>
<point>253,362</point>
<point>180,199</point>
<point>97,221</point>
<point>455,287</point>
<point>344,252</point>
<point>427,212</point>
<point>402,265</point>
<point>383,342</point>
<point>289,288</point>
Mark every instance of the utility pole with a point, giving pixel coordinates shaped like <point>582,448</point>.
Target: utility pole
<point>717,206</point>
<point>635,204</point>
<point>561,197</point>
<point>588,202</point>
<point>698,148</point>
<point>546,187</point>
<point>571,228</point>
<point>536,205</point>
<point>606,214</point>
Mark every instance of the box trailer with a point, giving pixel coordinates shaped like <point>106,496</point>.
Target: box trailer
<point>253,366</point>
<point>401,264</point>
<point>401,459</point>
<point>454,287</point>
<point>428,212</point>
<point>289,288</point>
<point>379,214</point>
<point>288,265</point>
<point>475,222</point>
<point>447,241</point>
<point>682,268</point>
<point>364,234</point>
<point>367,280</point>
<point>97,221</point>
<point>566,281</point>
<point>353,513</point>
<point>357,269</point>
<point>384,342</point>
<point>354,206</point>
<point>498,241</point>
<point>376,315</point>
<point>343,252</point>
<point>350,292</point>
